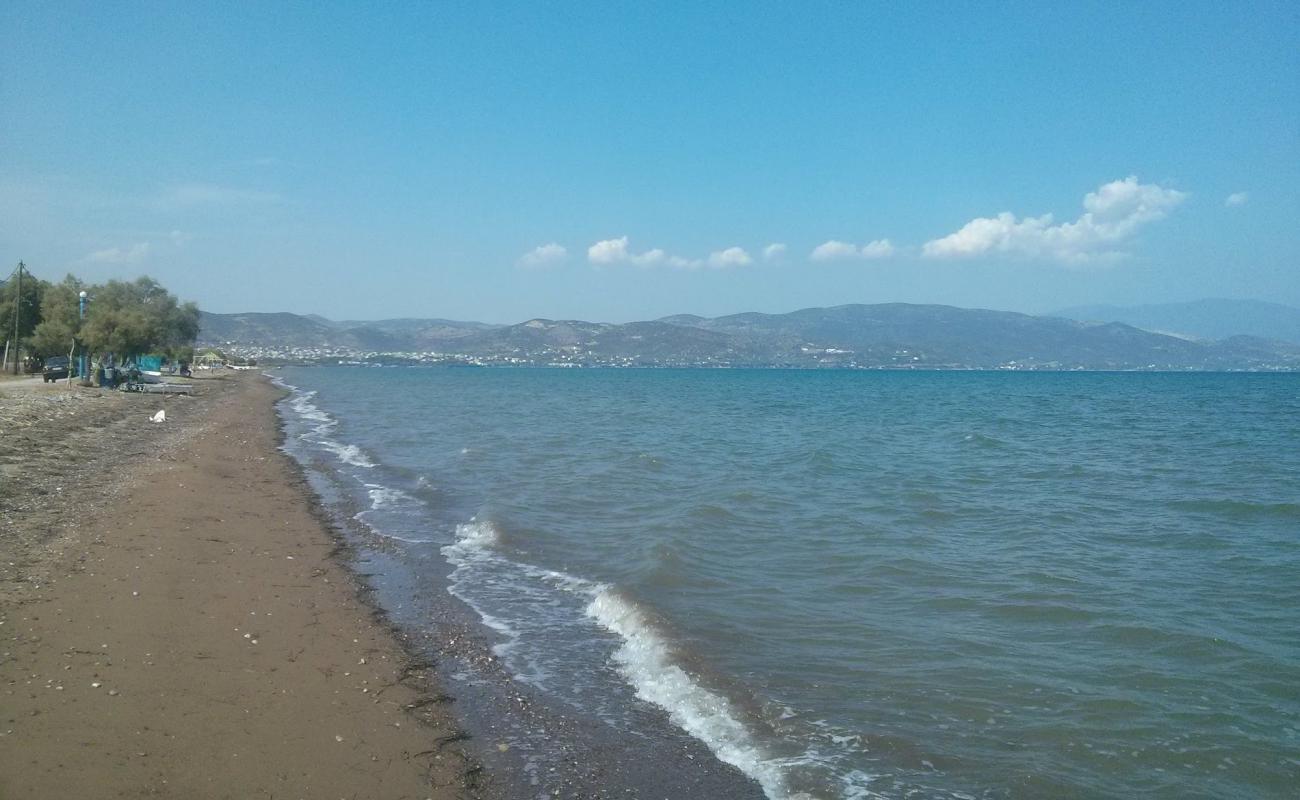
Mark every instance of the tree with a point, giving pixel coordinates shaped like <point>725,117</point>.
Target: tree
<point>179,327</point>
<point>138,317</point>
<point>29,307</point>
<point>60,319</point>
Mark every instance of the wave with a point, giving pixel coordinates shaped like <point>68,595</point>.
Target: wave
<point>386,498</point>
<point>301,403</point>
<point>645,660</point>
<point>473,549</point>
<point>643,657</point>
<point>383,496</point>
<point>348,453</point>
<point>321,422</point>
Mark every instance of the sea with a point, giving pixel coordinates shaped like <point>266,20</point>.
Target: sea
<point>803,585</point>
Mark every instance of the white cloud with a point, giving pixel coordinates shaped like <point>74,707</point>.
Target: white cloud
<point>118,255</point>
<point>544,255</point>
<point>616,251</point>
<point>880,248</point>
<point>649,257</point>
<point>608,251</point>
<point>835,250</point>
<point>773,251</point>
<point>731,257</point>
<point>1236,199</point>
<point>1112,214</point>
<point>193,195</point>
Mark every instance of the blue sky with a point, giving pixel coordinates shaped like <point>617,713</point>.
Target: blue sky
<point>626,161</point>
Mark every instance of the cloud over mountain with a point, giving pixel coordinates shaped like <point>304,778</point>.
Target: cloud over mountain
<point>617,251</point>
<point>835,250</point>
<point>1112,214</point>
<point>544,255</point>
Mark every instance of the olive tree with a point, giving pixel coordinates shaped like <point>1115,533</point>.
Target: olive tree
<point>56,335</point>
<point>132,318</point>
<point>27,307</point>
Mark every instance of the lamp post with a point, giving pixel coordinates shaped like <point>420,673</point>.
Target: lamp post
<point>81,360</point>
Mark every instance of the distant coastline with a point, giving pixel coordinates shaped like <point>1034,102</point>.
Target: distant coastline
<point>891,336</point>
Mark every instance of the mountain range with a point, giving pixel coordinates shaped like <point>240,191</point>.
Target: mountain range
<point>1201,319</point>
<point>897,335</point>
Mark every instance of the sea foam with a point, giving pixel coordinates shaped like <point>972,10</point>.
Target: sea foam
<point>301,403</point>
<point>643,656</point>
<point>348,453</point>
<point>645,660</point>
<point>473,549</point>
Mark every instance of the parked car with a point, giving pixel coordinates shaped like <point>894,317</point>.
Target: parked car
<point>55,368</point>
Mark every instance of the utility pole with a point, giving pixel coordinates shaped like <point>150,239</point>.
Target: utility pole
<point>18,299</point>
<point>82,371</point>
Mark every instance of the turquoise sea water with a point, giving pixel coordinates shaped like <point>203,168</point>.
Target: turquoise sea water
<point>855,584</point>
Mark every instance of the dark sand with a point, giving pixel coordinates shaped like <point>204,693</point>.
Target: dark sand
<point>174,622</point>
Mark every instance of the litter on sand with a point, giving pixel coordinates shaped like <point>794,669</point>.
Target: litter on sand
<point>161,416</point>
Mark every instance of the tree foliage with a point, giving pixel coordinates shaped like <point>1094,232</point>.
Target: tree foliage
<point>60,319</point>
<point>125,318</point>
<point>137,317</point>
<point>28,307</point>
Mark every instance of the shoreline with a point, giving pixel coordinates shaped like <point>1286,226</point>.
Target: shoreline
<point>531,742</point>
<point>155,641</point>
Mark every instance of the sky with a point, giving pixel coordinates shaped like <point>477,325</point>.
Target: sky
<point>620,161</point>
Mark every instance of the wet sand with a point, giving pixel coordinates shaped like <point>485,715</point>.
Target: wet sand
<point>174,621</point>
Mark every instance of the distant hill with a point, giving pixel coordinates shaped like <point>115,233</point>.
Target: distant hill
<point>934,335</point>
<point>891,335</point>
<point>259,328</point>
<point>312,330</point>
<point>1201,319</point>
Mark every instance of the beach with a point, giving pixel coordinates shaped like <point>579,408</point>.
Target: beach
<point>175,619</point>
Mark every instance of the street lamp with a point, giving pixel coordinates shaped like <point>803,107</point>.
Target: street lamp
<point>82,367</point>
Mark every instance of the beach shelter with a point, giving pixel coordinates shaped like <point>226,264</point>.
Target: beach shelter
<point>210,359</point>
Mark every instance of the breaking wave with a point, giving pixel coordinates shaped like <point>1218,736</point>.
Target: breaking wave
<point>347,453</point>
<point>319,423</point>
<point>643,656</point>
<point>645,661</point>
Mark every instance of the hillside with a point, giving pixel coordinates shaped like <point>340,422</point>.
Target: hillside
<point>1202,319</point>
<point>893,335</point>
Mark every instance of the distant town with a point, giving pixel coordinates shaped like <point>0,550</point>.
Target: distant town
<point>880,337</point>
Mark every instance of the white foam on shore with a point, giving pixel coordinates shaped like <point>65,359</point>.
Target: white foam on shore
<point>645,661</point>
<point>348,453</point>
<point>384,496</point>
<point>644,657</point>
<point>472,550</point>
<point>321,421</point>
<point>383,534</point>
<point>474,539</point>
<point>301,404</point>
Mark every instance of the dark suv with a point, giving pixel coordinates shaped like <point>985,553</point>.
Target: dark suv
<point>55,368</point>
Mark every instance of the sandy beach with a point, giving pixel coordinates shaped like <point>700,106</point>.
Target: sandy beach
<point>175,622</point>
